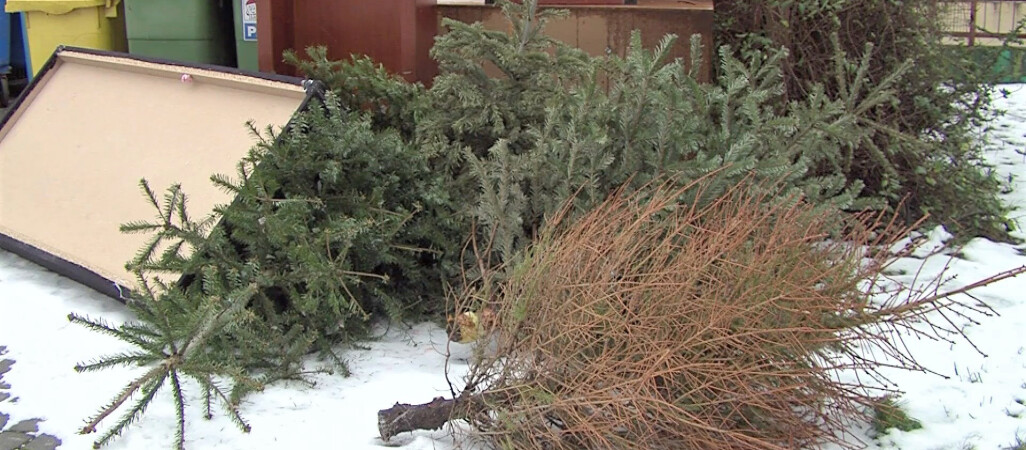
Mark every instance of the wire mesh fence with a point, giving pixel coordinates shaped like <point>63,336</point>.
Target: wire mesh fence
<point>981,22</point>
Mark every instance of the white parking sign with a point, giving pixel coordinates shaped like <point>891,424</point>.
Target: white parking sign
<point>249,26</point>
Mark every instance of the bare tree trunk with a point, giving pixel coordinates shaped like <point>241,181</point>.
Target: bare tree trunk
<point>405,417</point>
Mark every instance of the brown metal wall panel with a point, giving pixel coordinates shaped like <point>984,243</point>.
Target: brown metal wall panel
<point>275,29</point>
<point>399,33</point>
<point>602,30</point>
<point>427,29</point>
<point>369,27</point>
<point>396,33</point>
<point>580,2</point>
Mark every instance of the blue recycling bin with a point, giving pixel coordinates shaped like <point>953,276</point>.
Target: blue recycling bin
<point>10,36</point>
<point>5,58</point>
<point>5,42</point>
<point>13,53</point>
<point>20,63</point>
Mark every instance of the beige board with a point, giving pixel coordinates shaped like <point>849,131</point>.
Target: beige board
<point>92,126</point>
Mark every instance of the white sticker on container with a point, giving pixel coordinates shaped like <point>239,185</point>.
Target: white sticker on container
<point>249,24</point>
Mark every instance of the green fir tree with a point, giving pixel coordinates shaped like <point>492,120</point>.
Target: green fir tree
<point>332,225</point>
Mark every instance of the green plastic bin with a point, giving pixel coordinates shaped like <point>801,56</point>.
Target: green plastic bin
<point>180,30</point>
<point>245,34</point>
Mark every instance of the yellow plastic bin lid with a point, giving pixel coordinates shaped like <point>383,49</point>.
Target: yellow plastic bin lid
<point>60,6</point>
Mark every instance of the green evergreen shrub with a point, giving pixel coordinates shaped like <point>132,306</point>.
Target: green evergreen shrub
<point>925,148</point>
<point>352,219</point>
<point>332,224</point>
<point>888,413</point>
<point>557,122</point>
<point>362,84</point>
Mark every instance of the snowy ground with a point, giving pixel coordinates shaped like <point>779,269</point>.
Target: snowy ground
<point>338,412</point>
<point>979,405</point>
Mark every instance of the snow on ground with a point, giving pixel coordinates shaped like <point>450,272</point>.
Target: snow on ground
<point>404,365</point>
<point>978,403</point>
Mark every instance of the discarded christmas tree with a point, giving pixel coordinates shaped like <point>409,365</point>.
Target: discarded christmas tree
<point>325,232</point>
<point>652,323</point>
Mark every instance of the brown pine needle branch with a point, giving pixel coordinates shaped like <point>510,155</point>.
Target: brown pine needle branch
<point>651,323</point>
<point>1011,273</point>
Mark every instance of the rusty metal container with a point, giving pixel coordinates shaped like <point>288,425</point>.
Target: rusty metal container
<point>606,29</point>
<point>399,33</point>
<point>396,33</point>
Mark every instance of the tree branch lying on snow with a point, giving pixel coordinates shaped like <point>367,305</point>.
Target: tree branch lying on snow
<point>405,417</point>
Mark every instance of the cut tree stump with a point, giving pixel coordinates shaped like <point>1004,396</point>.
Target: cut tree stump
<point>405,417</point>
